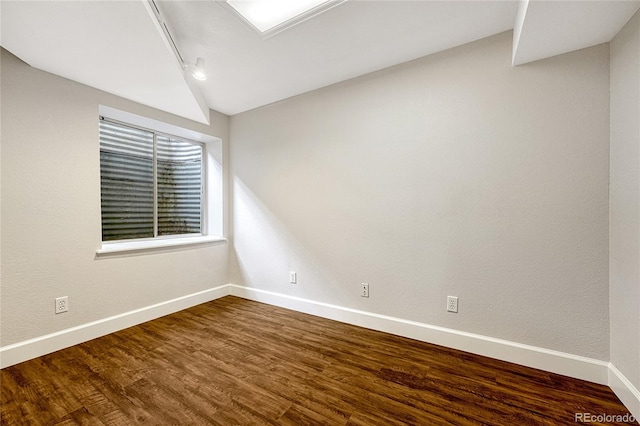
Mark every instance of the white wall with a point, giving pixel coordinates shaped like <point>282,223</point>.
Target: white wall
<point>624,245</point>
<point>51,212</point>
<point>452,174</point>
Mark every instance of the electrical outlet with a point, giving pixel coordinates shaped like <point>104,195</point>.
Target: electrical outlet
<point>364,290</point>
<point>62,304</point>
<point>452,304</point>
<point>293,277</point>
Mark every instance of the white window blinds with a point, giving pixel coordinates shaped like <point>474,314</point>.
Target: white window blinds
<point>151,183</point>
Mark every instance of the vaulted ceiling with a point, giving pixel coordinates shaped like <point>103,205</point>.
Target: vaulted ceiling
<point>120,47</point>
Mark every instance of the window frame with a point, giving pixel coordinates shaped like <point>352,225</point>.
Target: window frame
<point>203,182</point>
<point>212,179</point>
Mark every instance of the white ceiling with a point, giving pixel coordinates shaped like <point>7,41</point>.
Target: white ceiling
<point>119,47</point>
<point>554,27</point>
<point>113,46</point>
<point>354,38</point>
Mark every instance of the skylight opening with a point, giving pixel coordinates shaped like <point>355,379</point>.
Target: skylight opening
<point>269,17</point>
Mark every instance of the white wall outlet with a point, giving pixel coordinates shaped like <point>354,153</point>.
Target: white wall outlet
<point>62,304</point>
<point>364,290</point>
<point>452,304</point>
<point>293,277</point>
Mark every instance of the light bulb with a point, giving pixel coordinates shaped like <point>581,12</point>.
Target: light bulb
<point>198,70</point>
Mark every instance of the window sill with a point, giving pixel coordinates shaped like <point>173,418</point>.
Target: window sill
<point>141,247</point>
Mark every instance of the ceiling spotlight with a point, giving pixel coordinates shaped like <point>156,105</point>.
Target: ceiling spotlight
<point>198,70</point>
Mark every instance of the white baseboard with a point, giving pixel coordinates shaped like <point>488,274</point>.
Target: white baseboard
<point>625,390</point>
<point>563,363</point>
<point>531,356</point>
<point>33,348</point>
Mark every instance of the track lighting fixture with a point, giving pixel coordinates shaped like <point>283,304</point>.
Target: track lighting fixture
<point>197,70</point>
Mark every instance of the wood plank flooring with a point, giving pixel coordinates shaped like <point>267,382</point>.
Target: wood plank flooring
<point>237,362</point>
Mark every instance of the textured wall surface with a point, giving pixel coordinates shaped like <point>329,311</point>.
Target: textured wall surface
<point>51,212</point>
<point>455,174</point>
<point>624,255</point>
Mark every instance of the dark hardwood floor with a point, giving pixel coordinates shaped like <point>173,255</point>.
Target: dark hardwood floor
<point>237,362</point>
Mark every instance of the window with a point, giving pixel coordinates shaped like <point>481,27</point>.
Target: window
<point>152,184</point>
